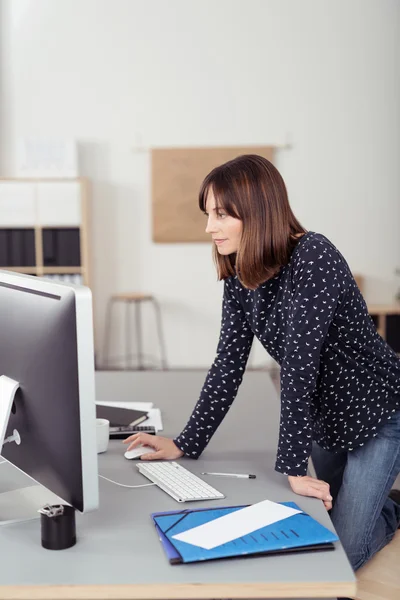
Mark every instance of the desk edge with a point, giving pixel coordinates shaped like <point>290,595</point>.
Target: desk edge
<point>178,591</point>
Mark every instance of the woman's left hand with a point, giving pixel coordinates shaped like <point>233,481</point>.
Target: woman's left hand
<point>309,486</point>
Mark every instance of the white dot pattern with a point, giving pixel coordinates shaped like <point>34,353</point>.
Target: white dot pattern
<point>340,381</point>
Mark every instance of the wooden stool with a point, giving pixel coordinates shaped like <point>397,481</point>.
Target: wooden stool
<point>379,579</point>
<point>136,299</point>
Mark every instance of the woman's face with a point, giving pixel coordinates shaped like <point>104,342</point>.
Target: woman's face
<point>225,230</point>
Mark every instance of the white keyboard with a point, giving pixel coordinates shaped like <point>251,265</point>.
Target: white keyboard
<point>178,482</point>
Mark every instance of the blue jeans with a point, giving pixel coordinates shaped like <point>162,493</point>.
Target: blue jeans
<point>364,517</point>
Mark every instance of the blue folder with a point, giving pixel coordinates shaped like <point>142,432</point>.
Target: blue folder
<point>297,533</point>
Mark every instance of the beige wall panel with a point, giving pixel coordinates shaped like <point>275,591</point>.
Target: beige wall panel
<point>177,174</point>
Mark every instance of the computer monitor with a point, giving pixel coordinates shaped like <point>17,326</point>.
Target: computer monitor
<point>47,361</point>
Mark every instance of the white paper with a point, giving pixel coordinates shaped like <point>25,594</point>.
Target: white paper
<point>236,524</point>
<point>132,405</point>
<point>154,419</point>
<point>45,157</point>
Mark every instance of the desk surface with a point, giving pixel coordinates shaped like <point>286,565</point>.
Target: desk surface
<point>118,554</point>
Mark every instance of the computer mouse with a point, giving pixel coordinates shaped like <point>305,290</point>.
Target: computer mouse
<point>138,452</point>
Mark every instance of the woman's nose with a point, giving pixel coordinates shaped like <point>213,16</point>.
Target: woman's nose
<point>211,225</point>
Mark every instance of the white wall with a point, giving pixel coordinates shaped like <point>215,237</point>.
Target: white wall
<point>114,73</point>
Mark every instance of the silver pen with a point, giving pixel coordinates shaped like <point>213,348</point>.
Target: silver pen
<point>240,475</point>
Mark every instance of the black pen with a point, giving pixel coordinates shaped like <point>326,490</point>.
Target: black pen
<point>240,475</point>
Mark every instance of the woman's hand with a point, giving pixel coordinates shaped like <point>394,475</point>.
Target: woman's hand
<point>164,447</point>
<point>309,486</point>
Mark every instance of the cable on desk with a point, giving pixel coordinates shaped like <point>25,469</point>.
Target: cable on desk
<point>127,486</point>
<point>110,480</point>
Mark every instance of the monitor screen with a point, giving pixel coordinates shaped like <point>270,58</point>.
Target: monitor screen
<point>46,345</point>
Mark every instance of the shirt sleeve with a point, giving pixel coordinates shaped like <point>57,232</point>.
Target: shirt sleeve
<point>223,379</point>
<point>316,294</point>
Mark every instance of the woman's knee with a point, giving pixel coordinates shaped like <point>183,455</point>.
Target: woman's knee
<point>361,541</point>
<point>358,556</point>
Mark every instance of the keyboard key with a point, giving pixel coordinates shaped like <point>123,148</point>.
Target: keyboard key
<point>178,482</point>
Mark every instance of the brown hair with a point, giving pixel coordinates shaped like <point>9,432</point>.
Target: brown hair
<point>251,189</point>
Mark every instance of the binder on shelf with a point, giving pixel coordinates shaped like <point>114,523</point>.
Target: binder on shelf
<point>29,254</point>
<point>68,247</point>
<point>298,533</point>
<point>49,251</point>
<point>4,259</point>
<point>61,247</point>
<point>17,248</point>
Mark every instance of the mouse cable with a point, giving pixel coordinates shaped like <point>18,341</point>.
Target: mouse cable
<point>110,480</point>
<point>127,486</point>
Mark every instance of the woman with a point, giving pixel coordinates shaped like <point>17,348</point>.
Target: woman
<point>340,381</point>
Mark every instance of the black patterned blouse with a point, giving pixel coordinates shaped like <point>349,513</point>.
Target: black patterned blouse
<point>340,381</point>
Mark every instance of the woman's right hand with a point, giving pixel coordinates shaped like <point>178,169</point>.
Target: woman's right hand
<point>165,449</point>
<point>310,486</point>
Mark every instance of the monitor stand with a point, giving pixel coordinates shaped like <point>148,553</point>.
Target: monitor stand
<point>20,504</point>
<point>8,388</point>
<point>23,504</point>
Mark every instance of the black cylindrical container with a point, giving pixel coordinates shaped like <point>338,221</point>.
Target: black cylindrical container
<point>59,531</point>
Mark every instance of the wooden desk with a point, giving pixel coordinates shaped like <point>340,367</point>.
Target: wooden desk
<point>118,554</point>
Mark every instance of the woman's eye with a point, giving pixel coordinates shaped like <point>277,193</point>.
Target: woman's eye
<point>221,215</point>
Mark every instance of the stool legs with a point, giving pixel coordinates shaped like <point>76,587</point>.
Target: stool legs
<point>128,333</point>
<point>128,341</point>
<point>107,332</point>
<point>160,334</point>
<point>139,336</point>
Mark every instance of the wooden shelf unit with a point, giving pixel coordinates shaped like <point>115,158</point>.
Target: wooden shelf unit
<point>40,205</point>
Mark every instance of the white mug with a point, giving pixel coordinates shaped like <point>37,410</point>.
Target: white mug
<point>102,434</point>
